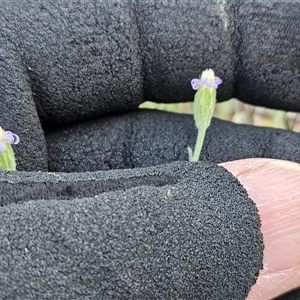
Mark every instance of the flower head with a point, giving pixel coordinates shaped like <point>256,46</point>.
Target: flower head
<point>207,79</point>
<point>7,137</point>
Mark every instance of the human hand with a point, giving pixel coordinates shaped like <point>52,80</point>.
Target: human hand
<point>274,186</point>
<point>94,65</point>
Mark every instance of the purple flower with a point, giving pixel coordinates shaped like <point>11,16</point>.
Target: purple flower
<point>9,137</point>
<point>196,83</point>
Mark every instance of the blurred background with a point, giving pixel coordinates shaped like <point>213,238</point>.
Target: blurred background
<point>238,112</point>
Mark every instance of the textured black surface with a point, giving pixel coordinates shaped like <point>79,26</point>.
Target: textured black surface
<point>180,231</point>
<point>65,61</point>
<point>147,138</point>
<point>18,112</point>
<point>268,52</point>
<point>62,61</point>
<point>293,295</point>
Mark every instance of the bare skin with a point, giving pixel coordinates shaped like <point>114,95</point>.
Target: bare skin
<point>274,185</point>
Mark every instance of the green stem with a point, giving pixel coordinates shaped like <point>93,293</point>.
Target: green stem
<point>199,144</point>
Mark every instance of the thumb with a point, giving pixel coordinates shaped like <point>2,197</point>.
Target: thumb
<point>274,185</point>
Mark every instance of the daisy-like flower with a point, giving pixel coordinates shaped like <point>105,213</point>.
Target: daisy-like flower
<point>7,137</point>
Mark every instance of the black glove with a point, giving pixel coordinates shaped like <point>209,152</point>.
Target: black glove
<point>172,231</point>
<point>61,62</point>
<point>147,138</point>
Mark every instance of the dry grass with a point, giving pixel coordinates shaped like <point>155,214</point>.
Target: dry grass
<point>238,112</point>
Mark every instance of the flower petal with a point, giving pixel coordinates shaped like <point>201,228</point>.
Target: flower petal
<point>11,137</point>
<point>206,82</point>
<point>2,147</point>
<point>218,80</point>
<point>195,83</point>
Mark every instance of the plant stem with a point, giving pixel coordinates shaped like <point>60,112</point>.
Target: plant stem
<point>199,144</point>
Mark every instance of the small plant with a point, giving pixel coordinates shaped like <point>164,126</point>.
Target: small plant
<point>7,158</point>
<point>204,104</point>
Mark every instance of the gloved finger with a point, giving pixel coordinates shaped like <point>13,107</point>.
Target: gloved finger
<point>148,138</point>
<point>91,59</point>
<point>274,186</point>
<point>175,231</point>
<point>110,56</point>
